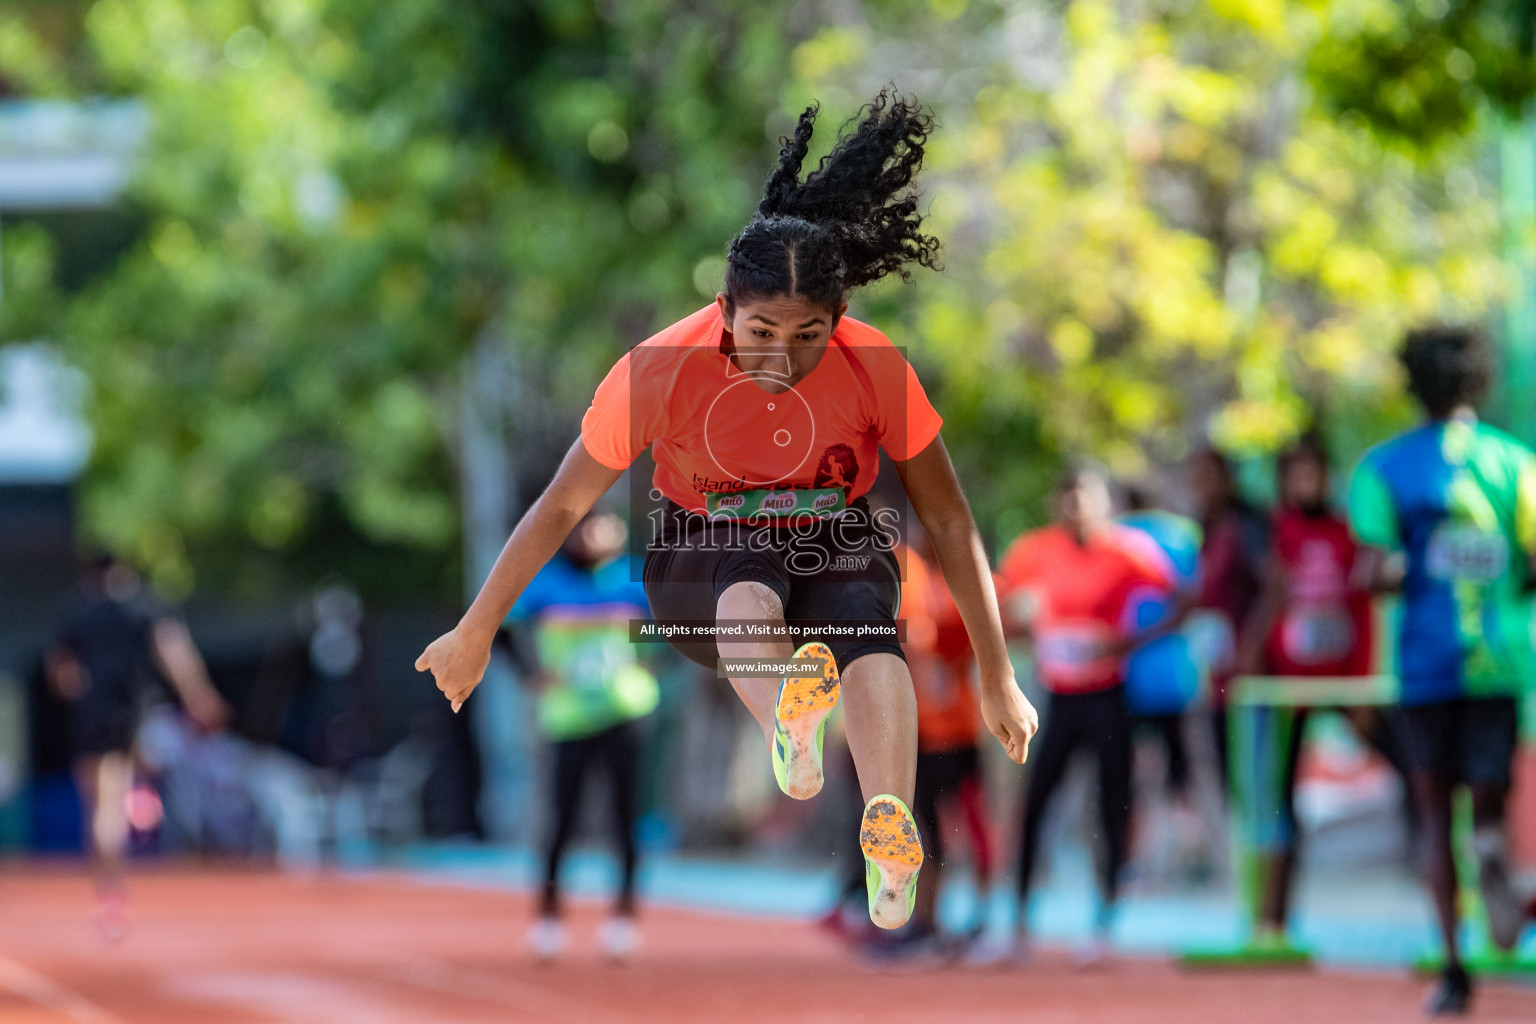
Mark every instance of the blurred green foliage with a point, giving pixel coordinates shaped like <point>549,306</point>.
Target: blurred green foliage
<point>340,196</point>
<point>1422,70</point>
<point>1165,221</point>
<point>1160,235</point>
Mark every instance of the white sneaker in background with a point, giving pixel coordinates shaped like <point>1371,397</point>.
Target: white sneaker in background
<point>546,939</point>
<point>998,947</point>
<point>1094,952</point>
<point>111,917</point>
<point>1505,909</point>
<point>619,938</point>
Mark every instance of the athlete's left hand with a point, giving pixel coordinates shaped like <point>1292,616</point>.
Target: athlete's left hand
<point>457,663</point>
<point>1009,716</point>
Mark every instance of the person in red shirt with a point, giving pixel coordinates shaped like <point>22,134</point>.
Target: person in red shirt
<point>765,413</point>
<point>948,724</point>
<point>1313,618</point>
<point>1068,587</point>
<point>1314,615</point>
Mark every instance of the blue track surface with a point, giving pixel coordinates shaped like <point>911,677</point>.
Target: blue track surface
<point>1374,918</point>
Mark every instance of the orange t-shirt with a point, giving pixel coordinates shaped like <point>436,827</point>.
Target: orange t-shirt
<point>712,429</point>
<point>939,653</point>
<point>1080,593</point>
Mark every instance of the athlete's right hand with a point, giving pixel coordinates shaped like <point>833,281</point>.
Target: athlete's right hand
<point>1009,716</point>
<point>457,662</point>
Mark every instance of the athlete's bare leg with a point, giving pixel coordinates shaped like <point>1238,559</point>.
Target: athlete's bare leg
<point>880,718</point>
<point>754,602</point>
<point>879,707</point>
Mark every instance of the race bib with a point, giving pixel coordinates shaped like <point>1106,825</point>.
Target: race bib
<point>596,681</point>
<point>1075,653</point>
<point>776,504</point>
<point>1317,636</point>
<point>584,656</point>
<point>590,666</point>
<point>1459,553</point>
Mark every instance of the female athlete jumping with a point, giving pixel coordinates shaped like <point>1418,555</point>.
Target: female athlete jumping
<point>763,412</point>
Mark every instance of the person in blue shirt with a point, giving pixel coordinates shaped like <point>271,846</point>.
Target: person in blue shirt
<point>1457,498</point>
<point>592,690</point>
<point>1161,679</point>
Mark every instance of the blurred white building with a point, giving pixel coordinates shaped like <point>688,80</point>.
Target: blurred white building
<point>60,156</point>
<point>43,438</point>
<point>54,156</point>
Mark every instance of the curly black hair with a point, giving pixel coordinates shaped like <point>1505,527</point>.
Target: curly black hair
<point>851,221</point>
<point>1448,367</point>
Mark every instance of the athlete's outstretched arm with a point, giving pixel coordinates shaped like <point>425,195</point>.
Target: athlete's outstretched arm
<point>929,479</point>
<point>457,659</point>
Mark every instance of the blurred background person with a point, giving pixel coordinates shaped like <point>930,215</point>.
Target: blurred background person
<point>313,694</point>
<point>1162,681</point>
<point>573,626</point>
<point>1067,587</point>
<point>111,647</point>
<point>1458,498</point>
<point>949,780</point>
<point>1313,618</point>
<point>1235,540</point>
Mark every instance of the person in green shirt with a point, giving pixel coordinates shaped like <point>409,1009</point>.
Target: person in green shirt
<point>1457,499</point>
<point>592,692</point>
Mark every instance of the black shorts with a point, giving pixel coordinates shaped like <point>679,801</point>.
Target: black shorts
<point>940,776</point>
<point>824,572</point>
<point>1461,741</point>
<point>102,727</point>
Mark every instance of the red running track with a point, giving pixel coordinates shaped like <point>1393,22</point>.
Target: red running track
<point>229,947</point>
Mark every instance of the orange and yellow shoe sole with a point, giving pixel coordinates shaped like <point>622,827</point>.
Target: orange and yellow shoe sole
<point>893,855</point>
<point>800,718</point>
